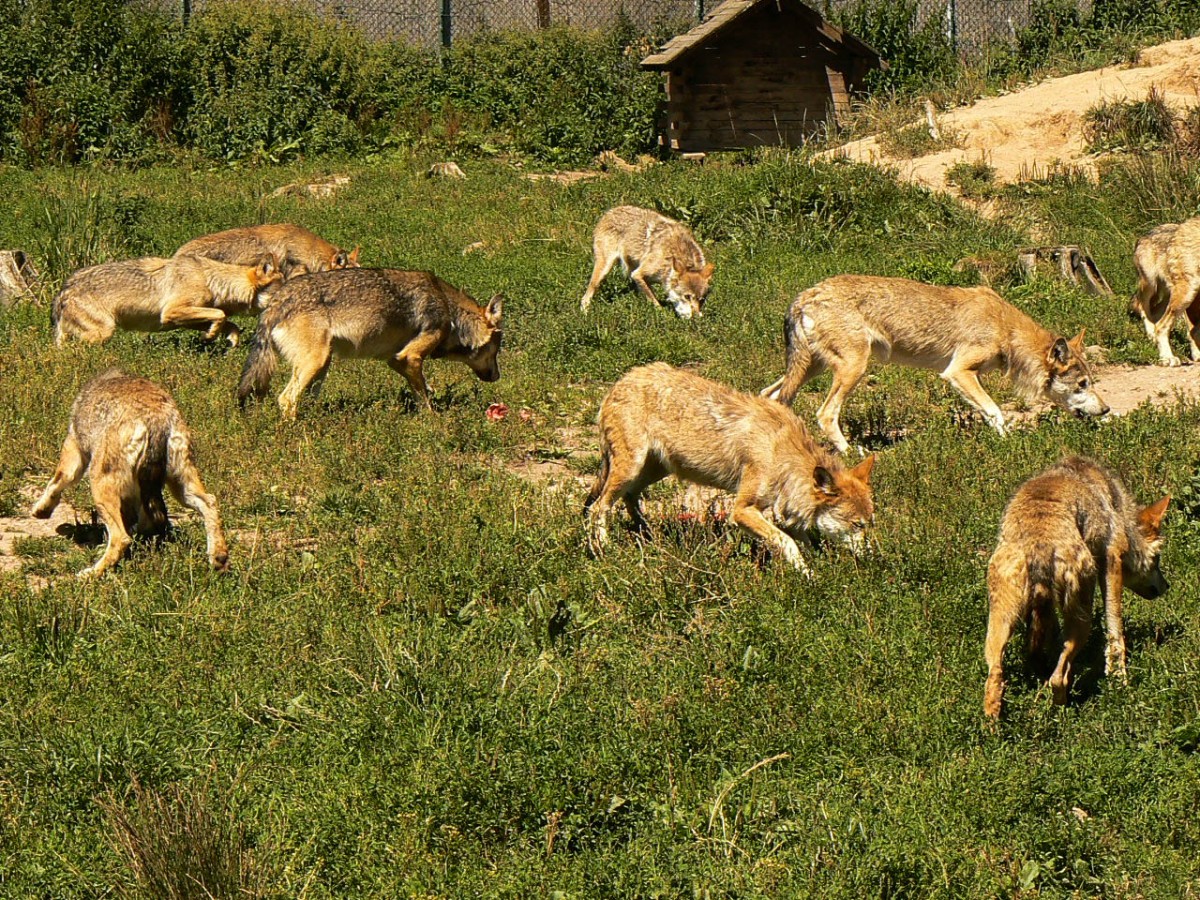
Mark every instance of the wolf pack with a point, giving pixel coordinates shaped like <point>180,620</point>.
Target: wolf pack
<point>1066,530</point>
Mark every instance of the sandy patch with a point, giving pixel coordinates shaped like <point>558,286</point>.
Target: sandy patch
<point>1041,126</point>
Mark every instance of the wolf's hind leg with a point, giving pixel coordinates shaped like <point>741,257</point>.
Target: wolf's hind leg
<point>71,465</point>
<point>108,493</point>
<point>183,478</point>
<point>1077,625</point>
<point>848,370</point>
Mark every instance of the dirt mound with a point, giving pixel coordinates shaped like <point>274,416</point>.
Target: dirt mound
<point>1041,126</point>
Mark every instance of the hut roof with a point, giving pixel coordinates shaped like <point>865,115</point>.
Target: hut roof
<point>731,10</point>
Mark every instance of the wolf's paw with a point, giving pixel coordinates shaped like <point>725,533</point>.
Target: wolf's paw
<point>42,511</point>
<point>1170,362</point>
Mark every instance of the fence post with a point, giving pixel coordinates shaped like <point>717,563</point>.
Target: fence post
<point>699,10</point>
<point>447,18</point>
<point>543,14</point>
<point>187,10</point>
<point>952,24</point>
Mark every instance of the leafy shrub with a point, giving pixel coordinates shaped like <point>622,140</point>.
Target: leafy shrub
<point>271,81</point>
<point>84,79</point>
<point>917,54</point>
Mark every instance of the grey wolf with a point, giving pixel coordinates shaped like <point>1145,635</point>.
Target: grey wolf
<point>401,317</point>
<point>156,294</point>
<point>659,421</point>
<point>651,246</point>
<point>842,322</point>
<point>128,434</point>
<point>297,250</point>
<point>1168,265</point>
<point>1065,530</point>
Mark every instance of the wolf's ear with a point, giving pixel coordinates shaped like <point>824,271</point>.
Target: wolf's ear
<point>1150,518</point>
<point>352,259</point>
<point>824,481</point>
<point>267,268</point>
<point>707,271</point>
<point>1077,341</point>
<point>495,309</point>
<point>677,267</point>
<point>1060,351</point>
<point>863,470</point>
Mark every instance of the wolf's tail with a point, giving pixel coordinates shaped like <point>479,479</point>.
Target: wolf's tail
<point>601,476</point>
<point>56,315</point>
<point>1057,575</point>
<point>261,361</point>
<point>799,359</point>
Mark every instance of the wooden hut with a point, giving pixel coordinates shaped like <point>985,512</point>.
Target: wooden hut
<point>758,72</point>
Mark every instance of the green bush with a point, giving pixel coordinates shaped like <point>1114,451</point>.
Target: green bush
<point>917,55</point>
<point>273,81</point>
<point>84,79</point>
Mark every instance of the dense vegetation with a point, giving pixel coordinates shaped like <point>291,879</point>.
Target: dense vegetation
<point>415,683</point>
<point>246,80</point>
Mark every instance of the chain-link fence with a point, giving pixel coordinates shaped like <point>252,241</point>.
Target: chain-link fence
<point>969,24</point>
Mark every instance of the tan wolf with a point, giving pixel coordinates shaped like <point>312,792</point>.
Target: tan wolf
<point>658,421</point>
<point>128,434</point>
<point>397,316</point>
<point>156,294</point>
<point>1064,530</point>
<point>298,250</point>
<point>651,246</point>
<point>1168,264</point>
<point>842,322</point>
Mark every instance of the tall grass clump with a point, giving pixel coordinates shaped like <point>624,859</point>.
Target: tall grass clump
<point>1129,124</point>
<point>180,845</point>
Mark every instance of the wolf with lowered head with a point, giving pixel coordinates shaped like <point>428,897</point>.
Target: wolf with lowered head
<point>1066,530</point>
<point>129,435</point>
<point>400,317</point>
<point>156,294</point>
<point>658,421</point>
<point>841,323</point>
<point>651,246</point>
<point>297,250</point>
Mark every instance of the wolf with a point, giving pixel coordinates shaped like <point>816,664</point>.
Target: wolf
<point>658,421</point>
<point>297,250</point>
<point>651,246</point>
<point>843,321</point>
<point>157,294</point>
<point>129,435</point>
<point>1064,530</point>
<point>398,316</point>
<point>1168,265</point>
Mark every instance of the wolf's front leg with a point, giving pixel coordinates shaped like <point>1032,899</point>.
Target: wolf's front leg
<point>752,519</point>
<point>1114,627</point>
<point>966,382</point>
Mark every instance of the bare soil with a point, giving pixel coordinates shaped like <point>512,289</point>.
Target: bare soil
<point>1040,127</point>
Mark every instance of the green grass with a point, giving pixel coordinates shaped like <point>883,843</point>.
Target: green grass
<point>415,683</point>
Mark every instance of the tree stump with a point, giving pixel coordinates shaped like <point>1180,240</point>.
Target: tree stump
<point>17,276</point>
<point>1073,264</point>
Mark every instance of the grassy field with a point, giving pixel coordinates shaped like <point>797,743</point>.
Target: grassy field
<point>414,682</point>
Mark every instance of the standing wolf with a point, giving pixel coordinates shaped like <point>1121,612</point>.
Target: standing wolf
<point>298,250</point>
<point>650,245</point>
<point>1168,265</point>
<point>397,316</point>
<point>659,421</point>
<point>155,294</point>
<point>842,322</point>
<point>1064,530</point>
<point>128,433</point>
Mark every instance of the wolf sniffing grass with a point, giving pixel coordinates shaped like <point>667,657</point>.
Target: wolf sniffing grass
<point>1168,267</point>
<point>398,316</point>
<point>1065,530</point>
<point>841,323</point>
<point>659,421</point>
<point>651,246</point>
<point>129,435</point>
<point>297,250</point>
<point>157,294</point>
